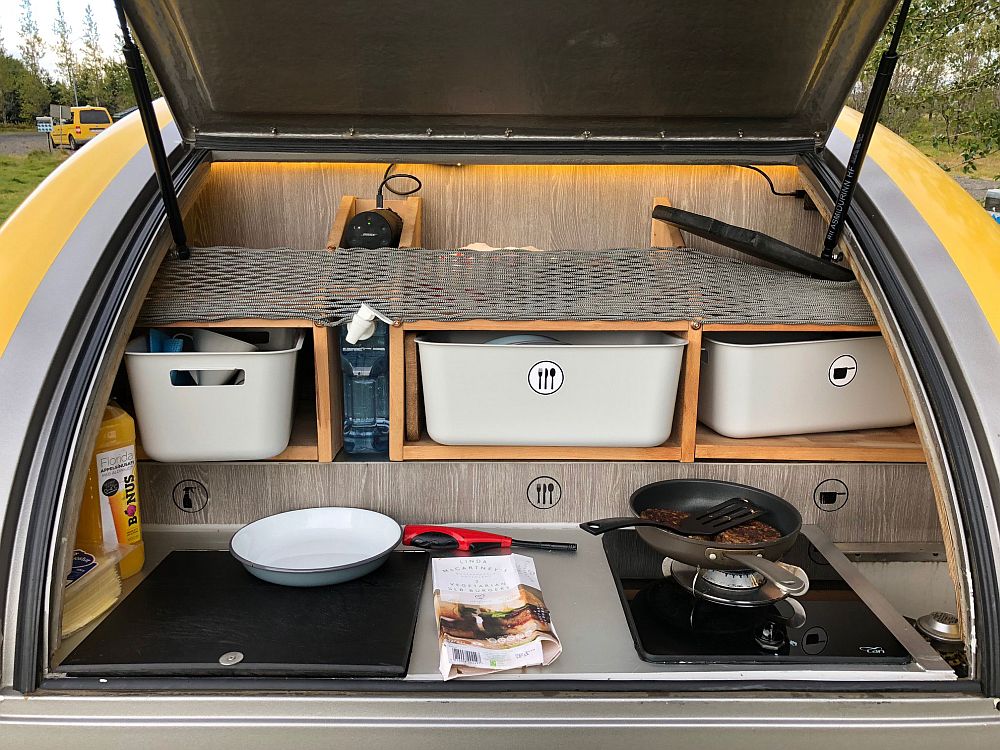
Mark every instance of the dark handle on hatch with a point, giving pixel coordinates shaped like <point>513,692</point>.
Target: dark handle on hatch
<point>622,522</point>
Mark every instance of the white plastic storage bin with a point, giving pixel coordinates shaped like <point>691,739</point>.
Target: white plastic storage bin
<point>608,389</point>
<point>249,419</point>
<point>756,384</point>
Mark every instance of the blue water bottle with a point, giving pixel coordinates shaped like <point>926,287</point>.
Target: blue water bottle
<point>364,361</point>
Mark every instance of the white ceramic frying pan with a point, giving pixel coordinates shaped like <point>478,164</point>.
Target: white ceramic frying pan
<point>316,546</point>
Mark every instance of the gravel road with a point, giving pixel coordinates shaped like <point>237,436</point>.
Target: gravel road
<point>19,144</point>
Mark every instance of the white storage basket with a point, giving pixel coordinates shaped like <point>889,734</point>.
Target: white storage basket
<point>756,384</point>
<point>608,389</point>
<point>248,420</point>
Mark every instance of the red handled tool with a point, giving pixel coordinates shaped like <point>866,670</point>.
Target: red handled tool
<point>451,537</point>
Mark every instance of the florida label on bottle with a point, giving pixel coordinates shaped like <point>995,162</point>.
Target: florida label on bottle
<point>116,478</point>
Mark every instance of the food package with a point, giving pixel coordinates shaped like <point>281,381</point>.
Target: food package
<point>491,615</point>
<point>92,588</point>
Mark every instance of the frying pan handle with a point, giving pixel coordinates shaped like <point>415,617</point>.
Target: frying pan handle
<point>781,577</point>
<point>622,522</point>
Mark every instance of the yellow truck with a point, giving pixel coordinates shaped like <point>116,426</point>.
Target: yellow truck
<point>83,124</point>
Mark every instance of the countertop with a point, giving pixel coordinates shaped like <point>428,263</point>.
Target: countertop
<point>580,592</point>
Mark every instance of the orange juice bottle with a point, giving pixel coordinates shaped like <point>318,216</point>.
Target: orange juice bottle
<point>109,515</point>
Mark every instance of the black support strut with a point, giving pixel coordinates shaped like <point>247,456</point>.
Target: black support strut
<point>144,102</point>
<point>880,87</point>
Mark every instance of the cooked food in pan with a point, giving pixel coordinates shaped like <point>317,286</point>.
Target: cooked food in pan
<point>751,532</point>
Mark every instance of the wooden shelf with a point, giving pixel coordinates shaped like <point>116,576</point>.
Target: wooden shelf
<point>545,325</point>
<point>898,444</point>
<point>302,444</point>
<point>690,441</point>
<point>426,449</point>
<point>793,327</point>
<point>317,431</point>
<point>680,445</point>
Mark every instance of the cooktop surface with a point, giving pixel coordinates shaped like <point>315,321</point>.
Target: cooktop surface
<point>830,624</point>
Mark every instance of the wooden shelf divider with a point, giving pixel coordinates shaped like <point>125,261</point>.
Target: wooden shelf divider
<point>425,449</point>
<point>317,433</point>
<point>410,210</point>
<point>689,441</point>
<point>901,444</point>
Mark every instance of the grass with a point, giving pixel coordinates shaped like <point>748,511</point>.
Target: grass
<point>949,157</point>
<point>19,175</point>
<point>987,168</point>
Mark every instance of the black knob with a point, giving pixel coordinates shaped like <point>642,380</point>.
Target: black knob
<point>771,636</point>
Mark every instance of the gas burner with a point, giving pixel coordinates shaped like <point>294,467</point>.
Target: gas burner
<point>737,588</point>
<point>733,579</point>
<point>678,614</point>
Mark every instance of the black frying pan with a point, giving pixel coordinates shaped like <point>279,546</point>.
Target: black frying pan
<point>696,496</point>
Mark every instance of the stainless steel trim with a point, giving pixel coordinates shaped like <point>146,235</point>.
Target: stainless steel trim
<point>900,552</point>
<point>925,654</point>
<point>839,146</point>
<point>421,134</point>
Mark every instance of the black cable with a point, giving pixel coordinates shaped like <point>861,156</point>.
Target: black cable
<point>762,173</point>
<point>385,185</point>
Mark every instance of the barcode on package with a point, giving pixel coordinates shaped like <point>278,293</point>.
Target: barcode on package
<point>464,656</point>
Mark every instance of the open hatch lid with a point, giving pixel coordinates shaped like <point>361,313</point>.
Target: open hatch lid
<point>451,77</point>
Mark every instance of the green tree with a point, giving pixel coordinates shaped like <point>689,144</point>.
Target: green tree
<point>10,104</point>
<point>946,90</point>
<point>24,94</point>
<point>31,46</point>
<point>91,66</point>
<point>65,55</point>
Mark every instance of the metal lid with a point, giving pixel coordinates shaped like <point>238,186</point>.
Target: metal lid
<point>488,77</point>
<point>941,626</point>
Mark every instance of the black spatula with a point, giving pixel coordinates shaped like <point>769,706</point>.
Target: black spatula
<point>718,518</point>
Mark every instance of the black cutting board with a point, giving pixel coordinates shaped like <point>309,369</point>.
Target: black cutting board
<point>196,606</point>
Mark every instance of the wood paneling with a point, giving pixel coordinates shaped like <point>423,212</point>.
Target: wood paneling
<point>887,503</point>
<point>256,204</point>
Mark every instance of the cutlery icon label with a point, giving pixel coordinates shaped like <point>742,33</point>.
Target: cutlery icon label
<point>545,377</point>
<point>544,492</point>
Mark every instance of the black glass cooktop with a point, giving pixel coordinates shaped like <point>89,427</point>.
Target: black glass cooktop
<point>670,625</point>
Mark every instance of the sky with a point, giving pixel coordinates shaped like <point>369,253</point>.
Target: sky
<point>45,15</point>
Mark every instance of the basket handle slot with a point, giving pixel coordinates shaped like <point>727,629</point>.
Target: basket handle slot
<point>210,377</point>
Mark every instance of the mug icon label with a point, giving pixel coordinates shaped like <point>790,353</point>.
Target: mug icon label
<point>545,377</point>
<point>843,370</point>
